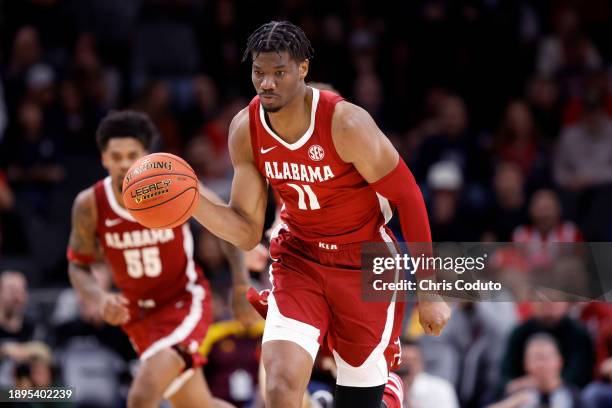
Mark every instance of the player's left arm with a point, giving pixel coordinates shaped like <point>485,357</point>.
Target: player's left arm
<point>359,141</point>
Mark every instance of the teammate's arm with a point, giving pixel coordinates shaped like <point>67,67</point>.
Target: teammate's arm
<point>241,221</point>
<point>242,309</point>
<point>354,133</point>
<point>81,255</point>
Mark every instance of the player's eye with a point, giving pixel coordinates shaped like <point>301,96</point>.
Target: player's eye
<point>258,73</point>
<point>280,73</point>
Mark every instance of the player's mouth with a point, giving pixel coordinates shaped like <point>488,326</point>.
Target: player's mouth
<point>268,97</point>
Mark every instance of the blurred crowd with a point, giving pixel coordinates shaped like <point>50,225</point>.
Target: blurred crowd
<point>501,108</point>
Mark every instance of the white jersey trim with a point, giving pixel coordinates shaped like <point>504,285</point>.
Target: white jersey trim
<point>194,316</point>
<point>302,140</point>
<point>112,201</point>
<point>385,208</point>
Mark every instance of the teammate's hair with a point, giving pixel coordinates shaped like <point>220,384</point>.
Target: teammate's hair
<point>279,36</point>
<point>126,123</point>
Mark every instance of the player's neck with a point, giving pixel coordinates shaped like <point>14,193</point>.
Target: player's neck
<point>292,121</point>
<point>118,195</point>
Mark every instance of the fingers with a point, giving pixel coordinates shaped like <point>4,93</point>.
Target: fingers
<point>115,311</point>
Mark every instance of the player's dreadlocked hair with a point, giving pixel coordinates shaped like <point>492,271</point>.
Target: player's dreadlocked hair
<point>279,36</point>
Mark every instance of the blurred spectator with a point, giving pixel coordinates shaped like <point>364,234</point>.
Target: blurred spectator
<point>36,369</point>
<point>368,93</point>
<point>17,331</point>
<point>517,142</point>
<point>583,167</point>
<point>543,98</point>
<point>568,52</point>
<point>450,220</point>
<point>14,326</point>
<point>467,353</point>
<point>599,394</point>
<point>26,52</point>
<point>508,209</point>
<point>546,223</point>
<point>575,345</point>
<point>155,102</point>
<point>94,356</point>
<point>584,156</point>
<point>205,107</point>
<point>76,118</point>
<point>542,386</point>
<point>423,390</point>
<point>34,162</point>
<point>40,86</point>
<point>453,141</point>
<point>233,354</point>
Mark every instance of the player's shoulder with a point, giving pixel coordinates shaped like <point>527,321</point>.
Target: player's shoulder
<point>351,125</point>
<point>240,122</point>
<point>240,134</point>
<point>85,203</point>
<point>348,117</point>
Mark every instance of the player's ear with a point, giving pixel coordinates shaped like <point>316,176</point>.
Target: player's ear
<point>104,158</point>
<point>303,68</point>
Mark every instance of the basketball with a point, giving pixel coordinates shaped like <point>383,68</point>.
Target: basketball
<point>160,190</point>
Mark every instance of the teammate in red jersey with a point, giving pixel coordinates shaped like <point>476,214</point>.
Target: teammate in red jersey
<point>165,304</point>
<point>338,177</point>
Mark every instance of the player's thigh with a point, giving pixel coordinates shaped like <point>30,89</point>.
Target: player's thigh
<point>363,334</point>
<point>156,374</point>
<point>297,308</point>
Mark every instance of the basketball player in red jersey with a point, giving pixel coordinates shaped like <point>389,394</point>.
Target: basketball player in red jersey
<point>338,176</point>
<point>165,304</point>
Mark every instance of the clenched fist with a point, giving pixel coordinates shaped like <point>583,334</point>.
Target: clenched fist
<point>113,309</point>
<point>433,316</point>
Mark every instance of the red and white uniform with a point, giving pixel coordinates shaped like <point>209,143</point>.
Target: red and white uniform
<point>329,211</point>
<point>169,300</point>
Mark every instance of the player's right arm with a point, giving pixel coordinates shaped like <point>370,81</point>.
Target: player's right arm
<point>241,221</point>
<point>81,255</point>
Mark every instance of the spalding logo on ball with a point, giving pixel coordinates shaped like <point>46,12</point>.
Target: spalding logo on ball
<point>160,191</point>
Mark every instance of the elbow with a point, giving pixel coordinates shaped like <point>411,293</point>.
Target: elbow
<point>248,243</point>
<point>249,239</point>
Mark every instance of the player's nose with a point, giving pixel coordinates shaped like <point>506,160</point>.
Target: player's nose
<point>126,164</point>
<point>268,83</point>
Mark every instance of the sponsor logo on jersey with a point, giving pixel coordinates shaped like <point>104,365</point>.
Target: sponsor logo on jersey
<point>298,172</point>
<point>148,165</point>
<point>264,151</point>
<point>152,190</point>
<point>316,152</point>
<point>138,238</point>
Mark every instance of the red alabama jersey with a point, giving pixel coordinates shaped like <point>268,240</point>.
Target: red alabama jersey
<point>325,198</point>
<point>151,267</point>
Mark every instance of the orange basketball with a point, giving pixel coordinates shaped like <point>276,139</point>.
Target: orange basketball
<point>160,190</point>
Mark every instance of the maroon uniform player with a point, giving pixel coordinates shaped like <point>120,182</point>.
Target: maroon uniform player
<point>339,177</point>
<point>164,305</point>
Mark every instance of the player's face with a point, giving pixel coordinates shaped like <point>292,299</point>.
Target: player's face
<point>119,155</point>
<point>277,78</point>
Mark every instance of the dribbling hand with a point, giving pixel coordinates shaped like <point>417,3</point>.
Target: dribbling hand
<point>113,309</point>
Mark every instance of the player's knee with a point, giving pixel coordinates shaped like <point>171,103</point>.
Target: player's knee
<point>140,397</point>
<point>281,384</point>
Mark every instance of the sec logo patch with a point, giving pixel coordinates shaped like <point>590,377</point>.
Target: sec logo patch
<point>316,153</point>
